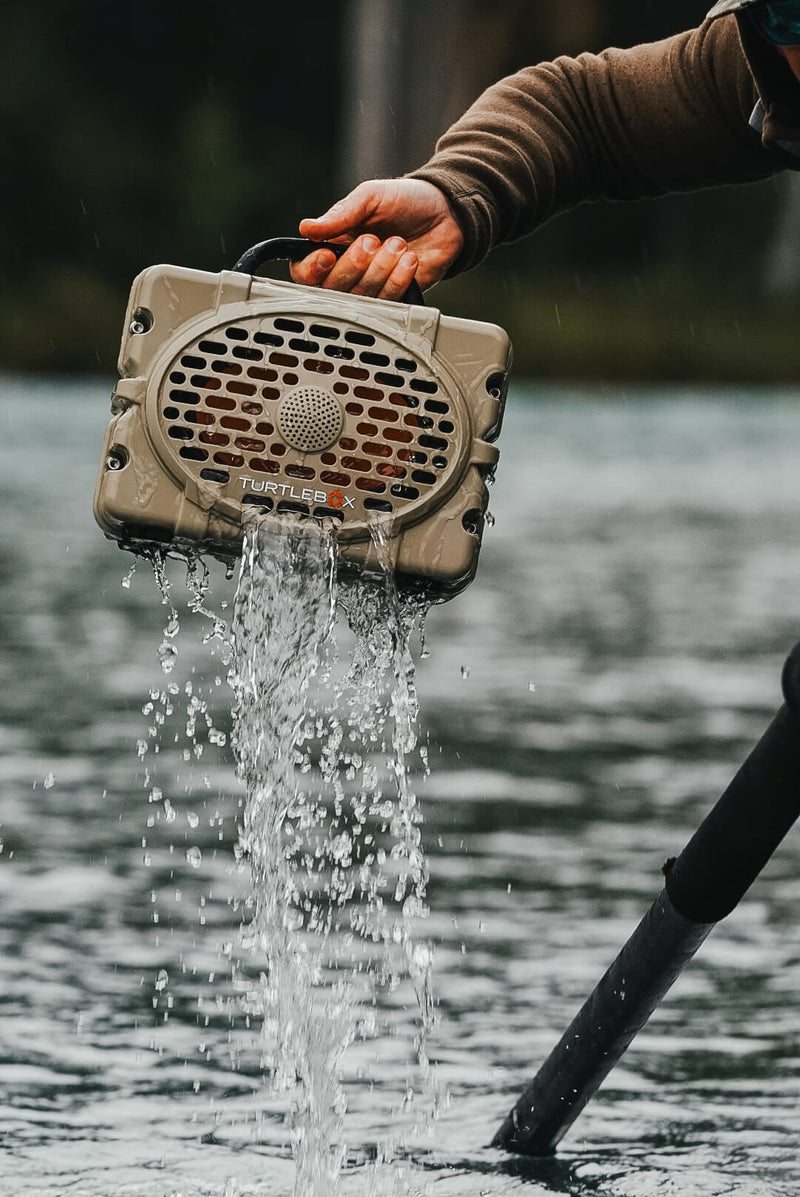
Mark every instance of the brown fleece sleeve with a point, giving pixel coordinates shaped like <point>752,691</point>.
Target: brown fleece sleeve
<point>621,125</point>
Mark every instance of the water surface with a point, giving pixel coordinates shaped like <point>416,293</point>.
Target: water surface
<point>585,701</point>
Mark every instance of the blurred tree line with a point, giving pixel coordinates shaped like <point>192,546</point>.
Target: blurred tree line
<point>182,132</point>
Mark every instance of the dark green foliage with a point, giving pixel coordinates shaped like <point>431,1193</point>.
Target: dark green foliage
<point>147,132</point>
<point>144,132</point>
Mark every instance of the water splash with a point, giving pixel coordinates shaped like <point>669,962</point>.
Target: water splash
<point>184,821</point>
<point>331,829</point>
<point>324,736</point>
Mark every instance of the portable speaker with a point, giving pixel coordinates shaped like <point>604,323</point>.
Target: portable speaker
<point>240,391</point>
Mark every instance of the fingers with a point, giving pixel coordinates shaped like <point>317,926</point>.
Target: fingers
<point>313,270</point>
<point>378,277</point>
<point>323,269</point>
<point>401,277</point>
<point>351,268</point>
<point>368,267</point>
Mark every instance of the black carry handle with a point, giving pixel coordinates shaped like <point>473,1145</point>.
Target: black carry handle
<point>293,249</point>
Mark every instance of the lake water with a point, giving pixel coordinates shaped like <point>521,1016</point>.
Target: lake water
<point>585,702</point>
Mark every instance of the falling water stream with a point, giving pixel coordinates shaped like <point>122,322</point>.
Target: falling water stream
<point>324,732</point>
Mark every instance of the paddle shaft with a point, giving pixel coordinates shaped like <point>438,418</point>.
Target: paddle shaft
<point>703,885</point>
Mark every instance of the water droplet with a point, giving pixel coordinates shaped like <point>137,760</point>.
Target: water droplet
<point>532,687</point>
<point>192,819</point>
<point>490,520</point>
<point>167,653</point>
<point>49,781</point>
<point>466,670</point>
<point>194,856</point>
<point>162,980</point>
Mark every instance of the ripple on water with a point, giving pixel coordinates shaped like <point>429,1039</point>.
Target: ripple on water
<point>648,588</point>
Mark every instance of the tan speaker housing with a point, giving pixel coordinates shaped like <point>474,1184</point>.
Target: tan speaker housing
<point>240,391</point>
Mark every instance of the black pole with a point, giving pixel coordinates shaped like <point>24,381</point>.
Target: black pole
<point>703,885</point>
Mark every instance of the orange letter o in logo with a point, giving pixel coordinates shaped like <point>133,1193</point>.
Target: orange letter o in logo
<point>335,499</point>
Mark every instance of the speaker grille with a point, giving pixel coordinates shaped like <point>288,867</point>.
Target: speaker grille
<point>310,419</point>
<point>246,400</point>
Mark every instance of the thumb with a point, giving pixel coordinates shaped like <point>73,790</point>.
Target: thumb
<point>345,216</point>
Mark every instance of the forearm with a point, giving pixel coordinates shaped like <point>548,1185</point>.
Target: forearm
<point>622,125</point>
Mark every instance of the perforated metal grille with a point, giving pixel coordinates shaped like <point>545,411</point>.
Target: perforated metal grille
<point>221,408</point>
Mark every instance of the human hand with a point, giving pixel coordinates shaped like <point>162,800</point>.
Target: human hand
<point>395,229</point>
